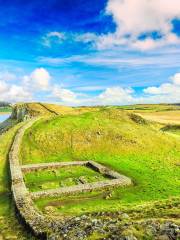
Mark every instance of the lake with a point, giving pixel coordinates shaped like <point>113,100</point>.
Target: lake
<point>3,117</point>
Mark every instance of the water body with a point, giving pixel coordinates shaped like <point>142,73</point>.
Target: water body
<point>3,117</point>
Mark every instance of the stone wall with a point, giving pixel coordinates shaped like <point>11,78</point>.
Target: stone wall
<point>44,226</point>
<point>41,226</point>
<point>87,187</point>
<point>115,179</point>
<point>51,165</point>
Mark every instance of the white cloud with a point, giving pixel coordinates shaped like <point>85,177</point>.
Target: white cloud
<point>138,16</point>
<point>168,92</point>
<point>39,79</point>
<point>163,58</point>
<point>115,95</point>
<point>176,79</point>
<point>3,87</point>
<point>65,96</point>
<point>164,89</point>
<point>7,76</point>
<point>134,18</point>
<point>28,86</point>
<point>13,93</point>
<point>50,37</point>
<point>18,94</point>
<point>86,37</point>
<point>39,82</point>
<point>90,88</point>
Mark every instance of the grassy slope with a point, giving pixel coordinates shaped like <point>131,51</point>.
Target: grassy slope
<point>9,226</point>
<point>110,137</point>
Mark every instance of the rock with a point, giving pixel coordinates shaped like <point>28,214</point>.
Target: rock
<point>131,237</point>
<point>107,196</point>
<point>163,237</point>
<point>10,237</point>
<point>94,221</point>
<point>49,209</point>
<point>83,217</point>
<point>124,216</point>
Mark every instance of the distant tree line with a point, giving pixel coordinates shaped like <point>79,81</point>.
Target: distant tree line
<point>5,104</point>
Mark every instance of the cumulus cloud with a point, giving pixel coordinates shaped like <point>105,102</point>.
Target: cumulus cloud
<point>168,92</point>
<point>65,96</point>
<point>27,87</point>
<point>137,18</point>
<point>176,79</point>
<point>39,79</point>
<point>165,93</point>
<point>13,93</point>
<point>115,95</point>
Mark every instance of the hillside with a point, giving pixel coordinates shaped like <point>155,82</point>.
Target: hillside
<point>119,139</point>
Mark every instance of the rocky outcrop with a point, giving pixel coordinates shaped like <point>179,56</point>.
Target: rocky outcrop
<point>119,226</point>
<point>20,112</point>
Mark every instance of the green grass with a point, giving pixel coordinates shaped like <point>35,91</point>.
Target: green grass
<point>62,177</point>
<point>83,203</point>
<point>10,228</point>
<point>5,109</point>
<point>111,137</point>
<point>175,129</point>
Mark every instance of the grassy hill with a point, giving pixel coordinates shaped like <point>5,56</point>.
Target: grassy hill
<point>146,151</point>
<point>121,140</point>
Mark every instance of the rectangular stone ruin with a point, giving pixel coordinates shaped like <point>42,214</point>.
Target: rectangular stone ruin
<point>113,178</point>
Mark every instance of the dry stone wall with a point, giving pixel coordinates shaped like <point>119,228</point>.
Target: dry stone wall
<point>115,179</point>
<point>42,226</point>
<point>87,187</point>
<point>51,165</point>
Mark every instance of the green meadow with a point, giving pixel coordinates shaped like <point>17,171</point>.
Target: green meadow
<point>118,139</point>
<point>121,138</point>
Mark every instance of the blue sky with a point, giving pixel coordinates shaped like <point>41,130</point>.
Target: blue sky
<point>78,52</point>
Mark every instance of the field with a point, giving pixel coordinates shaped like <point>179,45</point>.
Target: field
<point>115,138</point>
<point>5,110</point>
<point>124,139</point>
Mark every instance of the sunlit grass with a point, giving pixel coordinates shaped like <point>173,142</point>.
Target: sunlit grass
<point>112,137</point>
